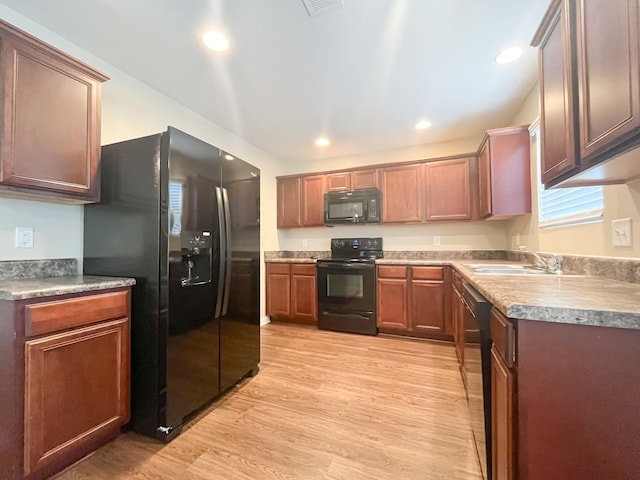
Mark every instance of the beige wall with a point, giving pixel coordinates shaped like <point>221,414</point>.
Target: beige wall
<point>129,109</point>
<point>620,201</point>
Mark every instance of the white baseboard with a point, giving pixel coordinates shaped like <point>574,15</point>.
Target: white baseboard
<point>264,321</point>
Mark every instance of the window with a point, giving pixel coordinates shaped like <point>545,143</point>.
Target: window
<point>175,207</point>
<point>565,206</point>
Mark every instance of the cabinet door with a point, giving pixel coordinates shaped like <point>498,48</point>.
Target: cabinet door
<point>557,119</point>
<point>502,420</point>
<point>313,200</point>
<point>304,298</point>
<point>402,189</point>
<point>447,190</point>
<point>76,390</point>
<point>427,306</point>
<point>289,202</point>
<point>365,179</point>
<point>608,77</point>
<point>337,182</point>
<point>484,179</point>
<point>392,303</point>
<point>50,120</point>
<point>278,290</point>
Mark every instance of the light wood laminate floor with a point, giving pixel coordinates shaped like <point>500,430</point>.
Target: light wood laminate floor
<point>325,405</point>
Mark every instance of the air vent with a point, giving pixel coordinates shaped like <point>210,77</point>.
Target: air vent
<point>316,7</point>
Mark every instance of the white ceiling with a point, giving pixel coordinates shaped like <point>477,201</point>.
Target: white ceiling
<point>362,75</point>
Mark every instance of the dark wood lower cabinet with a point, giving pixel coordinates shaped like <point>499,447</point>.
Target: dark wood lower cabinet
<point>567,407</point>
<point>502,423</point>
<point>75,392</point>
<point>412,300</point>
<point>292,292</point>
<point>65,363</point>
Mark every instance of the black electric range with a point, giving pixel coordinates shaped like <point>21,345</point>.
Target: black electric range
<point>347,286</point>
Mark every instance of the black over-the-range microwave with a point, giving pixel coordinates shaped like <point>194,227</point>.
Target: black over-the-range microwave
<point>357,206</point>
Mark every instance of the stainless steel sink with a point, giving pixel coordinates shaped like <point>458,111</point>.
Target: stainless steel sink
<point>505,269</point>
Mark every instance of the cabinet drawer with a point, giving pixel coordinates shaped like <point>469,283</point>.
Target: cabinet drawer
<point>303,268</point>
<point>281,268</point>
<point>386,271</point>
<point>58,315</point>
<point>503,336</point>
<point>427,273</point>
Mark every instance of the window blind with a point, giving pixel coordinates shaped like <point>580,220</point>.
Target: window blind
<point>566,206</point>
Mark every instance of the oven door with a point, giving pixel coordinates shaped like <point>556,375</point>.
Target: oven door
<point>346,286</point>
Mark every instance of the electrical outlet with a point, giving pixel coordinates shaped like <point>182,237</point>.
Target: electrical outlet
<point>305,243</point>
<point>621,233</point>
<point>436,240</point>
<point>24,237</point>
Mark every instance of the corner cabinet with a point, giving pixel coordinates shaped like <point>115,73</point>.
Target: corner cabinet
<point>589,64</point>
<point>504,176</point>
<point>50,107</point>
<point>71,379</point>
<point>412,300</point>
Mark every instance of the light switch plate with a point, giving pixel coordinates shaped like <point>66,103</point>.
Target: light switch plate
<point>24,237</point>
<point>621,232</point>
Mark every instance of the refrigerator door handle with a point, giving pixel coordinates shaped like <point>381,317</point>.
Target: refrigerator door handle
<point>227,253</point>
<point>223,250</point>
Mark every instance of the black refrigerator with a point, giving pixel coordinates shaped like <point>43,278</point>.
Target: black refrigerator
<point>182,217</point>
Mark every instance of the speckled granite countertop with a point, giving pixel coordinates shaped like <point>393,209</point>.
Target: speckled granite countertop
<point>574,299</point>
<point>25,288</point>
<point>23,279</point>
<point>292,260</point>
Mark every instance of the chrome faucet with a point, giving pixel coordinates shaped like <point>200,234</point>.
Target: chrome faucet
<point>553,264</point>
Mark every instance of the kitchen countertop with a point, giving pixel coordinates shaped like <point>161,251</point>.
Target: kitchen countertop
<point>573,299</point>
<point>25,288</point>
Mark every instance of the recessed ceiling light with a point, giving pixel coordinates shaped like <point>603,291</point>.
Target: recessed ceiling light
<point>216,41</point>
<point>322,142</point>
<point>509,55</point>
<point>229,157</point>
<point>422,124</point>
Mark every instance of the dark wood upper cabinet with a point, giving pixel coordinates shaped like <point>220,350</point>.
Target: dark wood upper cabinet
<point>353,180</point>
<point>608,80</point>
<point>557,112</point>
<point>338,182</point>
<point>402,193</point>
<point>447,190</point>
<point>289,202</point>
<point>50,111</point>
<point>590,92</point>
<point>504,177</point>
<point>313,189</point>
<point>369,178</point>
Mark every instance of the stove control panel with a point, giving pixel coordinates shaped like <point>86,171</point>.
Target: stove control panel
<point>356,247</point>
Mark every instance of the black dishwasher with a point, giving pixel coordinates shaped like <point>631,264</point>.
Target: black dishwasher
<point>477,365</point>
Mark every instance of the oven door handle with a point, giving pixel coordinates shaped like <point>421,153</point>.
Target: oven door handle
<point>346,265</point>
<point>347,315</point>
